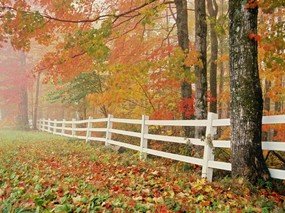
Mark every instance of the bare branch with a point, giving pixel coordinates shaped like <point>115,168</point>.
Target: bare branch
<point>87,20</point>
<point>129,18</point>
<point>168,34</point>
<point>126,32</point>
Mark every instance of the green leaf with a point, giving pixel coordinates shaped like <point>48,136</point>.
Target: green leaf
<point>64,208</point>
<point>39,201</point>
<point>38,187</point>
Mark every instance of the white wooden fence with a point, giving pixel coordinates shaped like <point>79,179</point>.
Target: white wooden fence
<point>208,163</point>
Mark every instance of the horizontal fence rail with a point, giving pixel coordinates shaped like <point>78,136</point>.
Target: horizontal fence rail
<point>101,130</point>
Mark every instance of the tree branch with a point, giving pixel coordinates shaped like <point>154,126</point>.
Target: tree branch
<point>168,34</point>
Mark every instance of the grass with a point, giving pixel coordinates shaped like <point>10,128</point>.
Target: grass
<point>40,172</point>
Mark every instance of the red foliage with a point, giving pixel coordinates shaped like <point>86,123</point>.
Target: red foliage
<point>162,114</point>
<point>186,106</point>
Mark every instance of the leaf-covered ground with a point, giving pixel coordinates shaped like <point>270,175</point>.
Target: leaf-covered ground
<point>44,173</point>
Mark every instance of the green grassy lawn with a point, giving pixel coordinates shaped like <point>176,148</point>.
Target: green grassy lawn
<point>40,172</point>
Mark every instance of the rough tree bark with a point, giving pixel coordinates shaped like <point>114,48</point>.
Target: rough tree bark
<point>246,95</point>
<point>201,70</point>
<point>213,12</point>
<point>183,41</point>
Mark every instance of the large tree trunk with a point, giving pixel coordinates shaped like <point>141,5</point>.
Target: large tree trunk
<point>201,71</point>
<point>183,41</point>
<point>213,12</point>
<point>246,95</point>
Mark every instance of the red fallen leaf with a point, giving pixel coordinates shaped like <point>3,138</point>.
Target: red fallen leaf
<point>176,188</point>
<point>155,193</point>
<point>8,190</point>
<point>274,194</point>
<point>60,189</point>
<point>131,204</point>
<point>72,190</point>
<point>263,191</point>
<point>107,205</point>
<point>116,188</point>
<point>247,6</point>
<point>163,209</point>
<point>205,203</point>
<point>251,36</point>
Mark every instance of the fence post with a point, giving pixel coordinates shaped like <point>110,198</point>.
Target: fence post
<point>143,143</point>
<point>73,124</point>
<point>109,127</point>
<point>88,131</point>
<point>208,147</point>
<point>48,125</point>
<point>62,127</point>
<point>54,126</point>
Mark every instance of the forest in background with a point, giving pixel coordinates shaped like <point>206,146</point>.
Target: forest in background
<point>124,58</point>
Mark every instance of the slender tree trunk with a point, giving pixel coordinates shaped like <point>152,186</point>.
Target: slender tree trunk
<point>221,85</point>
<point>267,137</point>
<point>23,118</point>
<point>36,106</point>
<point>201,71</point>
<point>266,98</point>
<point>221,82</point>
<point>213,12</point>
<point>183,41</point>
<point>246,95</point>
<point>223,107</point>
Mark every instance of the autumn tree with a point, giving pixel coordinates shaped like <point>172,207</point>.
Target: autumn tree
<point>246,94</point>
<point>213,12</point>
<point>201,68</point>
<point>77,90</point>
<point>15,80</point>
<point>23,117</point>
<point>183,41</point>
<point>36,105</point>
